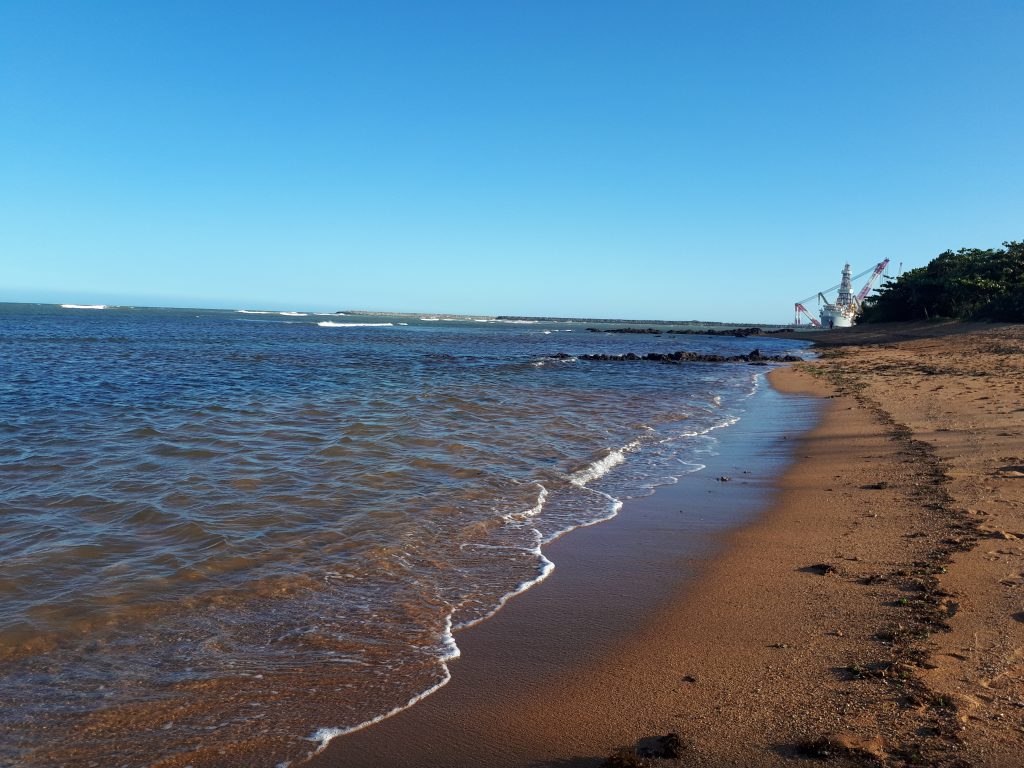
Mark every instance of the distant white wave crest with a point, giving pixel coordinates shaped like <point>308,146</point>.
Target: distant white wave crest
<point>553,361</point>
<point>84,306</point>
<point>329,324</point>
<point>255,311</point>
<point>293,314</point>
<point>496,320</point>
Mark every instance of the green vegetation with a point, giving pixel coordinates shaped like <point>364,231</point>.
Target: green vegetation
<point>969,284</point>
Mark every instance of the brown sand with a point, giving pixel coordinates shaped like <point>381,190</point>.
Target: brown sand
<point>875,613</point>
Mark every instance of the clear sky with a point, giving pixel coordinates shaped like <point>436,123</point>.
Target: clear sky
<point>635,159</point>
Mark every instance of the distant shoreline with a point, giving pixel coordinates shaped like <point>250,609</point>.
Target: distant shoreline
<point>549,319</point>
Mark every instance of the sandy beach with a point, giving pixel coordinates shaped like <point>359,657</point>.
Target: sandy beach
<point>870,613</point>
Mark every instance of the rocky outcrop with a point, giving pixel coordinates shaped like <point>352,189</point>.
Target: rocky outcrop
<point>737,332</point>
<point>755,357</point>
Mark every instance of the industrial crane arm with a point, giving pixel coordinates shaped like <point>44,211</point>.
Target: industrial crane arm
<point>801,309</point>
<point>879,269</point>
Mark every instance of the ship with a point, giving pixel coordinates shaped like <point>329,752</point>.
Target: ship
<point>843,312</point>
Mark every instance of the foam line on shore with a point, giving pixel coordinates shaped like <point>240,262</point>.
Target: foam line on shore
<point>324,736</point>
<point>604,465</point>
<point>580,479</point>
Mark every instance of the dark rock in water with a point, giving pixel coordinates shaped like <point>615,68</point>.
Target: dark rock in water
<point>655,331</point>
<point>755,358</point>
<point>737,332</point>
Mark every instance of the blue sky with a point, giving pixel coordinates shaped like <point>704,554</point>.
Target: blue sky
<point>644,159</point>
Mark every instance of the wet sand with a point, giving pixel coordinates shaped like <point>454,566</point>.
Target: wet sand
<point>545,680</point>
<point>873,612</point>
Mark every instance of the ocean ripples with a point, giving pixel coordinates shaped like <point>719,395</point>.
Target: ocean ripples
<point>208,510</point>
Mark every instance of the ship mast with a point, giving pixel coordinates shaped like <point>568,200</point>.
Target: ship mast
<point>845,297</point>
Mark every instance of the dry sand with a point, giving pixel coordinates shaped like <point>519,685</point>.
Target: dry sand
<point>874,615</point>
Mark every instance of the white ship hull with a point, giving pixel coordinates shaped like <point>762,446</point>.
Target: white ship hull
<point>833,317</point>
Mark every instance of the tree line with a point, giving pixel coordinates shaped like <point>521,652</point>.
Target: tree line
<point>968,284</point>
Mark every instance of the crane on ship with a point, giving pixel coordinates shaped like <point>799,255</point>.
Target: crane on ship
<point>841,313</point>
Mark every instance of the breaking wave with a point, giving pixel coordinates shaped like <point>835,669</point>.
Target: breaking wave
<point>329,324</point>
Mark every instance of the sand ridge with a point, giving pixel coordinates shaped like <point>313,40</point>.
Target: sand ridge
<point>962,398</point>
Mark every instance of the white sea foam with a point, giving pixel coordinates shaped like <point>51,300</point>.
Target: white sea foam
<point>329,324</point>
<point>543,571</point>
<point>255,311</point>
<point>602,466</point>
<point>430,319</point>
<point>701,432</point>
<point>532,511</point>
<point>293,314</point>
<point>581,478</point>
<point>324,736</point>
<point>84,306</point>
<point>553,361</point>
<point>613,509</point>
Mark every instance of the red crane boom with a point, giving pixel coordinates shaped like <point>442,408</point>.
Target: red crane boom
<point>879,269</point>
<point>801,309</point>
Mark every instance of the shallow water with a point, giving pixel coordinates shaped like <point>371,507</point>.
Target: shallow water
<point>211,516</point>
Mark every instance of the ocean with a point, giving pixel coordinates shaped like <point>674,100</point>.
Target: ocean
<point>212,518</point>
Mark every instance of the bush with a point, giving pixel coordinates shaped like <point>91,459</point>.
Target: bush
<point>969,284</point>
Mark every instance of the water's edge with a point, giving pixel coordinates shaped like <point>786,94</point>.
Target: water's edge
<point>751,452</point>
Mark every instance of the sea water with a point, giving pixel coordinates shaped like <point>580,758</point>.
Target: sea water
<point>232,530</point>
